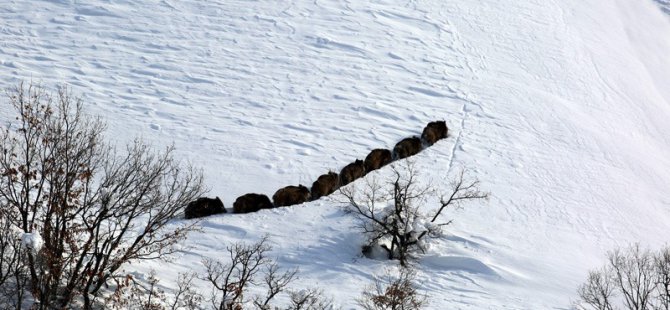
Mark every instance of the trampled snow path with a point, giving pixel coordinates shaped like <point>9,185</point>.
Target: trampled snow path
<point>560,108</point>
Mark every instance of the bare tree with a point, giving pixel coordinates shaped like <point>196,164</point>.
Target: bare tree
<point>598,291</point>
<point>13,276</point>
<point>230,281</point>
<point>639,276</point>
<point>633,273</point>
<point>311,299</point>
<point>275,283</point>
<point>186,297</point>
<point>132,293</point>
<point>393,212</point>
<point>662,265</point>
<point>95,208</point>
<point>393,292</point>
<point>148,294</point>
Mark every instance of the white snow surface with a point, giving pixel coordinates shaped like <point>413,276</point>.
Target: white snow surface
<point>32,241</point>
<point>560,108</point>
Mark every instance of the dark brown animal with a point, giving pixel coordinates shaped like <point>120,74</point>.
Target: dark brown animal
<point>407,147</point>
<point>204,206</point>
<point>434,131</point>
<point>325,185</point>
<point>291,195</point>
<point>251,203</point>
<point>377,158</point>
<point>352,172</point>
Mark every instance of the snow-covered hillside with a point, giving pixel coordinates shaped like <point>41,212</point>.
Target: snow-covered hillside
<point>560,108</point>
<point>665,5</point>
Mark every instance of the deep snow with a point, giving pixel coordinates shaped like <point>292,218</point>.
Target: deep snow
<point>560,108</point>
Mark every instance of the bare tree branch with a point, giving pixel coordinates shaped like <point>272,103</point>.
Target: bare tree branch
<point>393,213</point>
<point>276,283</point>
<point>662,267</point>
<point>393,292</point>
<point>230,281</point>
<point>95,208</point>
<point>598,291</point>
<point>639,276</point>
<point>311,299</point>
<point>186,297</point>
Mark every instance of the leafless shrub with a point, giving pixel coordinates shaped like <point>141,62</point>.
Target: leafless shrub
<point>393,292</point>
<point>95,208</point>
<point>186,297</point>
<point>393,212</point>
<point>633,273</point>
<point>13,272</point>
<point>231,281</point>
<point>133,294</point>
<point>311,299</point>
<point>598,291</point>
<point>275,283</point>
<point>662,264</point>
<point>635,278</point>
<point>149,295</point>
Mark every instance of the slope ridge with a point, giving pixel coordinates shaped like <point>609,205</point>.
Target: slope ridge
<point>558,107</point>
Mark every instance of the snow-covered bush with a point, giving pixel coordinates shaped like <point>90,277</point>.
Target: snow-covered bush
<point>394,215</point>
<point>84,210</point>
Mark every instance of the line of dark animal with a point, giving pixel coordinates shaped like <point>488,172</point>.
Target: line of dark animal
<point>326,184</point>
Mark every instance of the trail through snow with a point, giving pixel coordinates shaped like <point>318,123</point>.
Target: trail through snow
<point>560,108</point>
